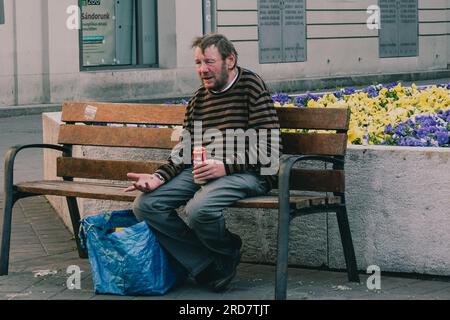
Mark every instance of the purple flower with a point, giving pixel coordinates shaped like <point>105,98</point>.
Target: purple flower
<point>410,123</point>
<point>346,91</point>
<point>371,91</point>
<point>424,131</point>
<point>281,97</point>
<point>388,128</point>
<point>444,115</point>
<point>338,94</point>
<point>411,142</point>
<point>349,91</point>
<point>400,129</point>
<point>302,100</point>
<point>426,120</point>
<point>311,96</point>
<point>392,85</point>
<point>442,137</point>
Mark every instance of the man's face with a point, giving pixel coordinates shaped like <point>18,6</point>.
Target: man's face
<point>214,72</point>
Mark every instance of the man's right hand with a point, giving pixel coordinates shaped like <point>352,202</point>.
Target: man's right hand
<point>143,182</point>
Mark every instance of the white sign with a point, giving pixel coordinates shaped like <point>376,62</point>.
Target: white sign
<point>98,32</point>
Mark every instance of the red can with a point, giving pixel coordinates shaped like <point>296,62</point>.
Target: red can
<point>198,157</point>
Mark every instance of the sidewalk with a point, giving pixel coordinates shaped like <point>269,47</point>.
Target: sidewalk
<point>42,248</point>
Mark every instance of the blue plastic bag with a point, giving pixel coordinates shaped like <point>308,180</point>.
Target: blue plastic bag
<point>125,256</point>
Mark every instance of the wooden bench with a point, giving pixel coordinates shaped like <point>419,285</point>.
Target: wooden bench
<point>89,124</point>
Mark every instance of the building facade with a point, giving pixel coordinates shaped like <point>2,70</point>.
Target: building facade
<point>133,50</point>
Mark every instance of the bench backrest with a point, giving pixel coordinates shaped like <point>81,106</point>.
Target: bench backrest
<point>121,125</point>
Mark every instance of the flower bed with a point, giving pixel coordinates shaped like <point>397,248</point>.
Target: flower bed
<point>390,115</point>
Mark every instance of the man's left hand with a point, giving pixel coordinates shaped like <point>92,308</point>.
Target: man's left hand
<point>210,169</point>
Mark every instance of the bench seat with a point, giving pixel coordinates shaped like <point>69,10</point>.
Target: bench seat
<point>108,191</point>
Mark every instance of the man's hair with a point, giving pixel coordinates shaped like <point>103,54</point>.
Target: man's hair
<point>225,46</point>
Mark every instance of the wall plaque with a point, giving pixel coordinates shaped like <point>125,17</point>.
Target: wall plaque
<point>399,28</point>
<point>282,30</point>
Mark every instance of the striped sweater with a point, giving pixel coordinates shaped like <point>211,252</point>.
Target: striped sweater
<point>216,120</point>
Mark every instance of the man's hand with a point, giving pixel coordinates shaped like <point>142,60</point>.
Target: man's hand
<point>210,169</point>
<point>143,182</point>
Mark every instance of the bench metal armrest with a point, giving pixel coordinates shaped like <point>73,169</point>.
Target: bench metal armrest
<point>12,152</point>
<point>286,164</point>
<point>292,159</point>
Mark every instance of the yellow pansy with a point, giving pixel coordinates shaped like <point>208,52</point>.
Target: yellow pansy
<point>385,109</point>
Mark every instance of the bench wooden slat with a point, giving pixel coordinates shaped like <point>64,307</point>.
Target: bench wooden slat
<point>103,169</point>
<point>116,136</point>
<point>317,180</point>
<point>294,118</point>
<point>314,143</point>
<point>123,113</point>
<point>314,118</point>
<point>301,179</point>
<point>297,202</point>
<point>104,191</point>
<point>91,190</point>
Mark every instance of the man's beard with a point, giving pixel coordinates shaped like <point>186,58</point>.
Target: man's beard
<point>222,80</point>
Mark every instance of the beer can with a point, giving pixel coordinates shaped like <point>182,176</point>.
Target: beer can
<point>198,157</point>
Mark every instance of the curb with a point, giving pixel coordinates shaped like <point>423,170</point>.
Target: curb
<point>336,82</point>
<point>17,111</point>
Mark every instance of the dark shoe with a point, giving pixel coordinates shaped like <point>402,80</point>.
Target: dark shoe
<point>207,275</point>
<point>226,274</point>
<point>222,268</point>
<point>219,274</point>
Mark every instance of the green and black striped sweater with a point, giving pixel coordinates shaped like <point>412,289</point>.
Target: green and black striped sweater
<point>246,105</point>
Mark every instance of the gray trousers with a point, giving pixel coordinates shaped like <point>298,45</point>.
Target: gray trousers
<point>196,244</point>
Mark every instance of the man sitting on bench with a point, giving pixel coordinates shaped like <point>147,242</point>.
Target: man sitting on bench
<point>230,98</point>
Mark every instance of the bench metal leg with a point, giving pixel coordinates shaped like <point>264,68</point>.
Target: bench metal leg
<point>282,253</point>
<point>75,218</point>
<point>9,201</point>
<point>347,245</point>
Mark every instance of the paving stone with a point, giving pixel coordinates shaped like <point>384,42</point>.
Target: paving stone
<point>29,295</point>
<point>416,289</point>
<point>72,295</point>
<point>111,297</point>
<point>50,283</point>
<point>16,284</point>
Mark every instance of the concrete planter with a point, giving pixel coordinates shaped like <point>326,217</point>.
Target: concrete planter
<point>398,207</point>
